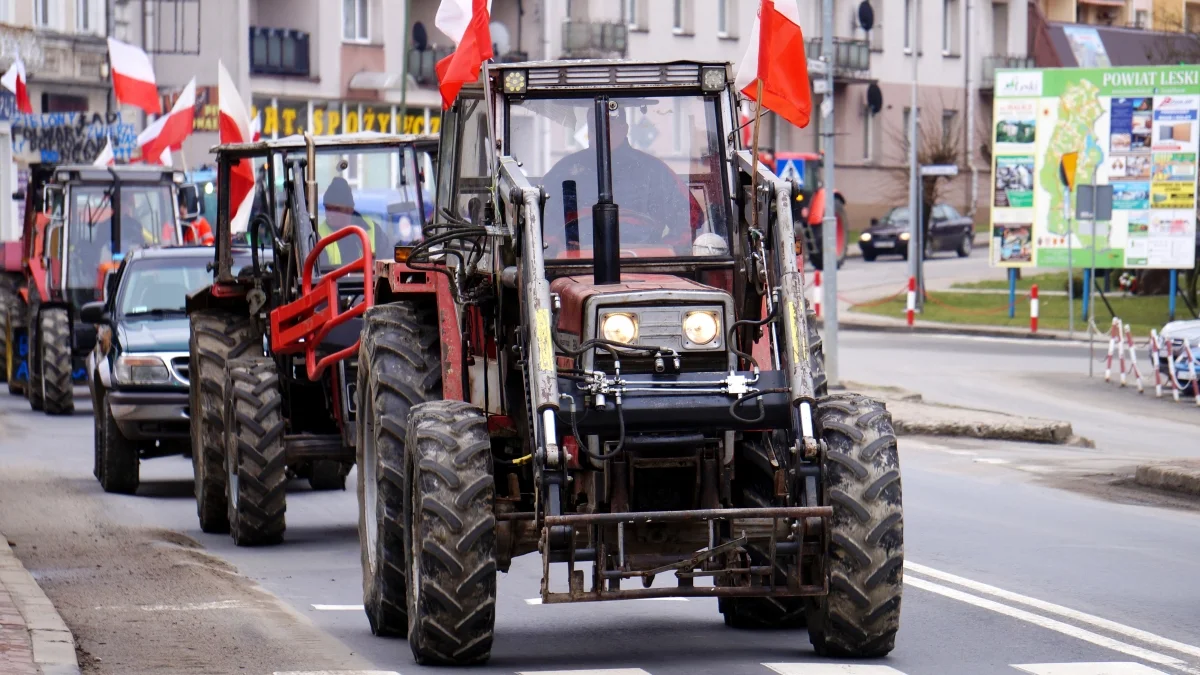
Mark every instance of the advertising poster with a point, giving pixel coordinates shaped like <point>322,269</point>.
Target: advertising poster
<point>1136,129</point>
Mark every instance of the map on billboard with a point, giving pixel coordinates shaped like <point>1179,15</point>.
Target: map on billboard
<point>1137,129</point>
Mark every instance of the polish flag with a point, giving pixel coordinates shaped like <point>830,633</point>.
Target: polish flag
<point>256,129</point>
<point>175,126</point>
<point>14,81</point>
<point>147,138</point>
<point>235,128</point>
<point>106,157</point>
<point>467,23</point>
<point>133,77</point>
<point>775,58</point>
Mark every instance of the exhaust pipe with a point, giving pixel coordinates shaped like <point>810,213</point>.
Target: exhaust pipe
<point>606,235</point>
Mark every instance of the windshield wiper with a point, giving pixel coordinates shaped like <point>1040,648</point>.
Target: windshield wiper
<point>159,311</point>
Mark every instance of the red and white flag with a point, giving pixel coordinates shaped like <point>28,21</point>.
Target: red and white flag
<point>171,129</point>
<point>106,157</point>
<point>152,153</point>
<point>235,128</point>
<point>14,81</point>
<point>775,57</point>
<point>133,77</point>
<point>467,23</point>
<point>256,129</point>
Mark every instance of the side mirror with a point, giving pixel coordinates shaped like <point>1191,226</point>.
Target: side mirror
<point>51,195</point>
<point>93,312</point>
<point>874,222</point>
<point>189,194</point>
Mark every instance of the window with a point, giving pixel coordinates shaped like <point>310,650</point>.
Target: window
<point>631,14</point>
<point>45,13</point>
<point>999,27</point>
<point>356,26</point>
<point>5,11</point>
<point>682,17</point>
<point>949,127</point>
<point>726,19</point>
<point>908,25</point>
<point>1141,19</point>
<point>868,134</point>
<point>949,27</point>
<point>908,125</point>
<point>876,34</point>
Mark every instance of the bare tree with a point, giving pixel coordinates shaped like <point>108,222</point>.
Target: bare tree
<point>940,140</point>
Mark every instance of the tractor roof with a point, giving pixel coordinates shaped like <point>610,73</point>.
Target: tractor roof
<point>296,143</point>
<point>588,74</point>
<point>132,173</point>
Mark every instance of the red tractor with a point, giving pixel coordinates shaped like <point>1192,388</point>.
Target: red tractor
<point>601,355</point>
<point>804,171</point>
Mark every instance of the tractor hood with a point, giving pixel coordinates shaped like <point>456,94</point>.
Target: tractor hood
<point>153,334</point>
<point>576,292</point>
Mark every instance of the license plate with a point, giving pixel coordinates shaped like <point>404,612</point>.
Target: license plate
<point>885,244</point>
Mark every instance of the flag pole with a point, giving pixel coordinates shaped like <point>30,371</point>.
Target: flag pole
<point>754,156</point>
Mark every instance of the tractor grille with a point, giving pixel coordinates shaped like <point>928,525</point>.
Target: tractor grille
<point>623,75</point>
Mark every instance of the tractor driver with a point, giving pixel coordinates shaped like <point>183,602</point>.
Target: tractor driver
<point>644,187</point>
<point>340,213</point>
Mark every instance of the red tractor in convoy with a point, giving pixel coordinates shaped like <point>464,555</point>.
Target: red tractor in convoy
<point>601,354</point>
<point>804,171</point>
<point>79,220</point>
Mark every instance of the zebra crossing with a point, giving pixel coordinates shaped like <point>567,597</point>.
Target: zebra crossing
<point>1094,668</point>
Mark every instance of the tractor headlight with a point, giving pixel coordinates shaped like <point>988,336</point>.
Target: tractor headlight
<point>621,328</point>
<point>136,369</point>
<point>701,328</point>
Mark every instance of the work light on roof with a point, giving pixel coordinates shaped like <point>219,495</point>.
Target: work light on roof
<point>514,82</point>
<point>713,78</point>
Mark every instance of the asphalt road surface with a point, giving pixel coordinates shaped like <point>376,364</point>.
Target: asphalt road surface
<point>1007,571</point>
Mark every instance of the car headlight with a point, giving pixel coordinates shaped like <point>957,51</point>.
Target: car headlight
<point>621,328</point>
<point>904,236</point>
<point>701,328</point>
<point>136,369</point>
<point>866,236</point>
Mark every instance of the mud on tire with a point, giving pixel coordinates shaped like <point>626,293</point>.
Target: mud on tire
<point>451,534</point>
<point>255,455</point>
<point>398,367</point>
<point>216,336</point>
<point>58,390</point>
<point>860,616</point>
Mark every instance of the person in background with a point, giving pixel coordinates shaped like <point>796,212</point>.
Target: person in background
<point>196,231</point>
<point>340,213</point>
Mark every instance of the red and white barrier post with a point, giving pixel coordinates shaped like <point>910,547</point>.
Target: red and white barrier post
<point>1121,348</point>
<point>1033,308</point>
<point>1112,346</point>
<point>817,293</point>
<point>1192,370</point>
<point>1133,365</point>
<point>1156,362</point>
<point>912,300</point>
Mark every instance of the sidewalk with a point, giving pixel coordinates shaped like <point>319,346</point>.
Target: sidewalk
<point>851,320</point>
<point>33,638</point>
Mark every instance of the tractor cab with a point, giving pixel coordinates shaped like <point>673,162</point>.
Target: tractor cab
<point>601,354</point>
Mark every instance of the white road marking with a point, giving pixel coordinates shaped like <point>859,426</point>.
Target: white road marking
<point>1074,615</point>
<point>338,608</point>
<point>1114,668</point>
<point>1051,624</point>
<point>964,453</point>
<point>538,601</point>
<point>991,460</point>
<point>187,607</point>
<point>601,671</point>
<point>830,669</point>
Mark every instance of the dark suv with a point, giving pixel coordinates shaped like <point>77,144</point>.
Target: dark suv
<point>138,370</point>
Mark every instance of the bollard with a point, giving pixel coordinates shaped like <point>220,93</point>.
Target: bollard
<point>817,293</point>
<point>1133,365</point>
<point>1156,362</point>
<point>912,299</point>
<point>1121,348</point>
<point>1112,345</point>
<point>1033,308</point>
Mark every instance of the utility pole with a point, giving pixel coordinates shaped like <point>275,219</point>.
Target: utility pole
<point>914,170</point>
<point>829,250</point>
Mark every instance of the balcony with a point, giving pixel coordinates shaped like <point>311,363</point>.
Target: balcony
<point>991,64</point>
<point>593,39</point>
<point>851,58</point>
<point>422,63</point>
<point>279,51</point>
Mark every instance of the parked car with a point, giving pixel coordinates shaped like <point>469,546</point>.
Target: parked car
<point>1180,337</point>
<point>138,370</point>
<point>889,235</point>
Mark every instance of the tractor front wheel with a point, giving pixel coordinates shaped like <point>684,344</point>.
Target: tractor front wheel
<point>118,455</point>
<point>33,361</point>
<point>327,474</point>
<point>861,614</point>
<point>58,388</point>
<point>255,457</point>
<point>451,534</point>
<point>216,337</point>
<point>9,302</point>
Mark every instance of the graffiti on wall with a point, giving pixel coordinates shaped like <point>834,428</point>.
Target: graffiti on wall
<point>69,138</point>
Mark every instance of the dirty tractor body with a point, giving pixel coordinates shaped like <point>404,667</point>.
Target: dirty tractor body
<point>273,394</point>
<point>78,222</point>
<point>601,355</point>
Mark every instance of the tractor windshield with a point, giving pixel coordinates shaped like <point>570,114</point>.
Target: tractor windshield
<point>147,218</point>
<point>666,173</point>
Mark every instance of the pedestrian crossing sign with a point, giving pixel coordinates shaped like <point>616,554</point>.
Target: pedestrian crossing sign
<point>791,169</point>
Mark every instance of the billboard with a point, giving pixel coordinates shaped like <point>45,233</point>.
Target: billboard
<point>1137,129</point>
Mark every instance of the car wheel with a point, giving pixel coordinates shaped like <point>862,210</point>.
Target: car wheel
<point>964,247</point>
<point>869,257</point>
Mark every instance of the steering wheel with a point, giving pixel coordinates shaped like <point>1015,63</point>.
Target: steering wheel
<point>636,228</point>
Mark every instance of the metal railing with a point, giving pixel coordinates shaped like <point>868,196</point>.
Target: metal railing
<point>279,51</point>
<point>422,63</point>
<point>851,57</point>
<point>593,39</point>
<point>1001,61</point>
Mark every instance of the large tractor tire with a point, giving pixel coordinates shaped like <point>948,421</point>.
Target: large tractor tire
<point>216,337</point>
<point>118,455</point>
<point>861,614</point>
<point>451,534</point>
<point>10,355</point>
<point>255,455</point>
<point>33,362</point>
<point>399,366</point>
<point>54,336</point>
<point>327,474</point>
<point>816,354</point>
<point>9,302</point>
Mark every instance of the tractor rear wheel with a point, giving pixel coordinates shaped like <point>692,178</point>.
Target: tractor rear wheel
<point>9,302</point>
<point>118,455</point>
<point>58,388</point>
<point>398,367</point>
<point>451,534</point>
<point>255,457</point>
<point>216,337</point>
<point>15,387</point>
<point>327,474</point>
<point>33,362</point>
<point>861,614</point>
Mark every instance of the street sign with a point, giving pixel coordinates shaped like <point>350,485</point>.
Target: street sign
<point>1066,169</point>
<point>791,169</point>
<point>817,67</point>
<point>1094,202</point>
<point>826,105</point>
<point>939,170</point>
<point>820,86</point>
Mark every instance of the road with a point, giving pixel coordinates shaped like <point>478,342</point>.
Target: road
<point>859,281</point>
<point>1005,568</point>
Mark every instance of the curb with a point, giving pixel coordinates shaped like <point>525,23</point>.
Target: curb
<point>1182,477</point>
<point>53,643</point>
<point>929,328</point>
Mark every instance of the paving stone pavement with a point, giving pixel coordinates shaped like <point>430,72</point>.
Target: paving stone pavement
<point>34,640</point>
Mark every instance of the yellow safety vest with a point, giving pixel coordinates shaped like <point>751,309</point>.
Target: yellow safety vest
<point>332,252</point>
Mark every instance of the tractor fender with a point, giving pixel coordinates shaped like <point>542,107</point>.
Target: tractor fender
<point>816,207</point>
<point>229,297</point>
